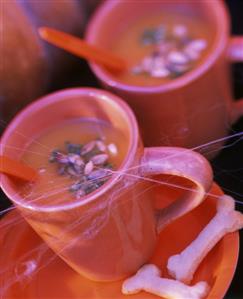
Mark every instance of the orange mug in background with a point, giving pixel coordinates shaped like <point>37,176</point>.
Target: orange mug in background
<point>192,110</point>
<point>109,233</point>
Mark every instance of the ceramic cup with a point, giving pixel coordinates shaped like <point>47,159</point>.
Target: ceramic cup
<point>192,110</point>
<point>111,232</point>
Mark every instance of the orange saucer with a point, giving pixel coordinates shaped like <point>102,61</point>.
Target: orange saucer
<point>29,270</point>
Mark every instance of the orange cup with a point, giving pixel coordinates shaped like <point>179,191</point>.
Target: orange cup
<point>109,233</point>
<point>192,110</point>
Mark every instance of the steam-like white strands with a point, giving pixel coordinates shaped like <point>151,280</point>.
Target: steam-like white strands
<point>124,174</point>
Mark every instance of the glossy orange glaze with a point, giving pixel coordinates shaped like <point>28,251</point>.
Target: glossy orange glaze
<point>113,229</point>
<point>21,246</point>
<point>111,224</point>
<point>192,110</point>
<point>109,233</point>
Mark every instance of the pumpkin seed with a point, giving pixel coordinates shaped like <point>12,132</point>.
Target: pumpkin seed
<point>101,146</point>
<point>99,159</point>
<point>172,53</point>
<point>191,53</point>
<point>176,57</point>
<point>73,158</point>
<point>180,31</point>
<point>72,171</point>
<point>88,168</point>
<point>88,147</point>
<point>112,148</point>
<point>88,164</point>
<point>160,72</point>
<point>198,44</point>
<point>80,193</point>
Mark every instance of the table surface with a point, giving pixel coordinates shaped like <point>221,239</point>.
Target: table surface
<point>228,165</point>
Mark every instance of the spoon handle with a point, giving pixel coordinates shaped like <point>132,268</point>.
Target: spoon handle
<point>81,48</point>
<point>17,169</point>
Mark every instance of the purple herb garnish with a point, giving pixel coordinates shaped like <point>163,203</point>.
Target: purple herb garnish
<point>87,165</point>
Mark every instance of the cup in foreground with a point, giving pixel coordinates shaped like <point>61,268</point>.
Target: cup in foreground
<point>107,233</point>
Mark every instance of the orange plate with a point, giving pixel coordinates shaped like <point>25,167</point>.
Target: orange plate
<point>28,269</point>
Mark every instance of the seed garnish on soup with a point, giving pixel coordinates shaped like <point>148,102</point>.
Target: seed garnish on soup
<point>161,47</point>
<point>73,159</point>
<point>86,164</point>
<point>173,53</point>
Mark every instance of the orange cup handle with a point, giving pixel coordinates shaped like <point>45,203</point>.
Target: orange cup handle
<point>235,50</point>
<point>235,54</point>
<point>178,162</point>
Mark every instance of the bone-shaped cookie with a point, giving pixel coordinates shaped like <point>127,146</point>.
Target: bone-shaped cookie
<point>148,279</point>
<point>183,266</point>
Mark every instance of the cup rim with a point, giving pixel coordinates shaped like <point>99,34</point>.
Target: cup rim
<point>50,99</point>
<point>220,40</point>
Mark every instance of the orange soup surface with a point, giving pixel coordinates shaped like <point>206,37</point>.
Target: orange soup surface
<point>159,48</point>
<point>73,159</point>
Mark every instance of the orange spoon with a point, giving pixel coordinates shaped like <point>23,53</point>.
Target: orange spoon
<point>82,49</point>
<point>17,169</point>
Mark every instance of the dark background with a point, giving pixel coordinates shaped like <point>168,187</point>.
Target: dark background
<point>228,165</point>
